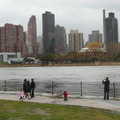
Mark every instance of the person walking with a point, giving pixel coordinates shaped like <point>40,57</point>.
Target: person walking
<point>29,89</point>
<point>106,83</point>
<point>65,95</point>
<point>25,88</point>
<point>32,88</point>
<point>21,95</point>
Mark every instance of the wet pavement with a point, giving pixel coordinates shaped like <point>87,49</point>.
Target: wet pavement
<point>111,104</point>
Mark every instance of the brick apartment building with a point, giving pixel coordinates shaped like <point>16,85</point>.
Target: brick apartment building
<point>12,39</point>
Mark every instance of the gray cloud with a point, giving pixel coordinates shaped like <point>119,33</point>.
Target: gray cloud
<point>84,15</point>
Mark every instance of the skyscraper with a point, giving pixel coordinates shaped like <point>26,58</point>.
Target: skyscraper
<point>40,44</point>
<point>48,33</point>
<point>76,41</point>
<point>95,37</point>
<point>60,39</point>
<point>32,37</point>
<point>110,29</point>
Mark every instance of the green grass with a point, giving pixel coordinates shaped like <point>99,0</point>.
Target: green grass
<point>15,110</point>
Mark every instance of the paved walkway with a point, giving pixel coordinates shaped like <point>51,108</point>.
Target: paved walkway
<point>113,105</point>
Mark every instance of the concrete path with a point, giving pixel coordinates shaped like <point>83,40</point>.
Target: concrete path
<point>113,105</point>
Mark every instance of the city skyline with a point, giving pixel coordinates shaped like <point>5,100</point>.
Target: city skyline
<point>85,16</point>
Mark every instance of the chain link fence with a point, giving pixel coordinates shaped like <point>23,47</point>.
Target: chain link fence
<point>57,87</point>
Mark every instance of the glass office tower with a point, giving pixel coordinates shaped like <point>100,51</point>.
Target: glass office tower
<point>48,33</point>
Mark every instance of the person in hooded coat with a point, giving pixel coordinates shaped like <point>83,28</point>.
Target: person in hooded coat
<point>65,95</point>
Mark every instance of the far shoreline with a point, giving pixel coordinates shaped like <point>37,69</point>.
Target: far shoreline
<point>64,64</point>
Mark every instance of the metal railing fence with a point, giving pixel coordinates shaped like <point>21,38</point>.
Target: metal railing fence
<point>57,87</point>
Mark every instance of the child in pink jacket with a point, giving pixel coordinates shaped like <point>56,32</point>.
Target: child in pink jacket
<point>21,95</point>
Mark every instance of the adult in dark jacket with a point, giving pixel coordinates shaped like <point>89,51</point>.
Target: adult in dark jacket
<point>106,83</point>
<point>29,90</point>
<point>32,88</point>
<point>25,88</point>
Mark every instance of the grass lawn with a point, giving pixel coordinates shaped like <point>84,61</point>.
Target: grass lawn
<point>16,110</point>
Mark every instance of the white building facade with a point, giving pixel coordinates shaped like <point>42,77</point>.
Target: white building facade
<point>5,57</point>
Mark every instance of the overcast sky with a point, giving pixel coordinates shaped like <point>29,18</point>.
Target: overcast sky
<point>84,15</point>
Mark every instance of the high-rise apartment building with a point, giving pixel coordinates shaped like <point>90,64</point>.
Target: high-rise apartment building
<point>12,39</point>
<point>110,27</point>
<point>40,44</point>
<point>60,39</point>
<point>95,37</point>
<point>48,33</point>
<point>76,41</point>
<point>32,37</point>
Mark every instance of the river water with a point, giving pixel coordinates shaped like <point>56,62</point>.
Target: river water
<point>69,73</point>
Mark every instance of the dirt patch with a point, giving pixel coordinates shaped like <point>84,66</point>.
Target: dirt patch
<point>39,111</point>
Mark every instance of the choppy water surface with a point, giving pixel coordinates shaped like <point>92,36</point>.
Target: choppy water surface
<point>72,73</point>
